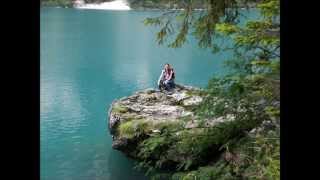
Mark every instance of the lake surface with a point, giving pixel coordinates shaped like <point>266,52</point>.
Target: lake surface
<point>88,59</point>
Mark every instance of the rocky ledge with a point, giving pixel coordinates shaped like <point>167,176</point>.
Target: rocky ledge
<point>149,112</point>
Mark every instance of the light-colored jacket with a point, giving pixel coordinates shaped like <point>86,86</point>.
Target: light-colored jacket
<point>161,77</point>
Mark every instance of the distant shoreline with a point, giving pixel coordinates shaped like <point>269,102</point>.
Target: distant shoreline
<point>118,5</point>
<point>133,9</point>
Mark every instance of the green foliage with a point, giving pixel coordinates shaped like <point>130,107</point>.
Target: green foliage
<point>151,146</point>
<point>265,157</point>
<point>95,1</point>
<point>219,171</point>
<point>250,94</point>
<point>270,8</point>
<point>134,128</point>
<point>168,127</point>
<point>248,158</point>
<point>273,112</point>
<point>226,28</point>
<point>152,21</point>
<point>202,24</point>
<point>250,99</point>
<point>164,4</point>
<point>63,3</point>
<point>188,148</point>
<point>152,153</point>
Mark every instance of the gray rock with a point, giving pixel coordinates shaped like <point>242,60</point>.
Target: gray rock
<point>194,100</point>
<point>119,144</point>
<point>150,108</point>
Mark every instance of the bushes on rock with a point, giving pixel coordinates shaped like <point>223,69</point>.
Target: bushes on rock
<point>134,128</point>
<point>250,94</point>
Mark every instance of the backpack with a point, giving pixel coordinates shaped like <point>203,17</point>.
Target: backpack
<point>173,74</point>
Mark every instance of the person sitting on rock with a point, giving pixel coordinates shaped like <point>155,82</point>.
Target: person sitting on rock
<point>166,79</point>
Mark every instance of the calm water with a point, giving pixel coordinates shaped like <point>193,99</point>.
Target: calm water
<point>89,58</point>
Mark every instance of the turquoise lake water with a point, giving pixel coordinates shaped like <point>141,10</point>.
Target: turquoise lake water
<point>88,59</point>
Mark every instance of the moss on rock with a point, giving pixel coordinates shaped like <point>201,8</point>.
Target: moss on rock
<point>117,108</point>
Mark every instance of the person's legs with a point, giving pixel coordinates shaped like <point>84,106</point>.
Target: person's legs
<point>169,85</point>
<point>160,85</point>
<point>172,84</point>
<point>166,85</point>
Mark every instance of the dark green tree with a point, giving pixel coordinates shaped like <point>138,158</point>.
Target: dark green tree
<point>251,93</point>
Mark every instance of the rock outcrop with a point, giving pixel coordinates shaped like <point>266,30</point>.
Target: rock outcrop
<point>150,106</point>
<point>144,114</point>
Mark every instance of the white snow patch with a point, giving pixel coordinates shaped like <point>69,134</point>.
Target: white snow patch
<point>113,5</point>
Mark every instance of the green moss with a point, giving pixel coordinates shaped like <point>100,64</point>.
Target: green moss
<point>143,126</point>
<point>134,128</point>
<point>126,130</point>
<point>117,108</point>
